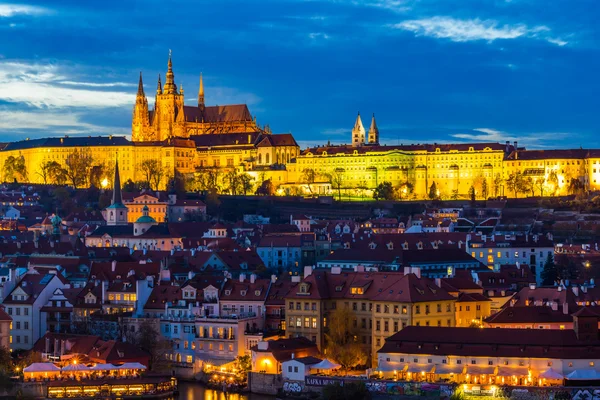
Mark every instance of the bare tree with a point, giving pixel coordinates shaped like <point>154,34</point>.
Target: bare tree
<point>77,166</point>
<point>153,172</point>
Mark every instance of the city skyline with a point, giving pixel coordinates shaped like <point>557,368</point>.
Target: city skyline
<point>494,72</point>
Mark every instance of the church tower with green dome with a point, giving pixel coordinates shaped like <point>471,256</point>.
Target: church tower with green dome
<point>116,213</point>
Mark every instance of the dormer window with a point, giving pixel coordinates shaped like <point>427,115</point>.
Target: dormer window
<point>257,292</point>
<point>390,246</point>
<point>228,292</point>
<point>372,246</point>
<point>338,288</point>
<point>357,290</point>
<point>243,292</point>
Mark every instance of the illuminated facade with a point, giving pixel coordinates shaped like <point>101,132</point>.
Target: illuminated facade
<point>172,118</point>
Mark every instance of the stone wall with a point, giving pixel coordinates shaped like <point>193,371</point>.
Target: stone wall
<point>264,383</point>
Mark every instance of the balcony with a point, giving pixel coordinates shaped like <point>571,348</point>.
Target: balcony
<point>215,336</point>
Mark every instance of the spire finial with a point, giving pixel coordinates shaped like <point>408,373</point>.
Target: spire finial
<point>159,87</point>
<point>140,91</point>
<point>170,87</point>
<point>201,92</point>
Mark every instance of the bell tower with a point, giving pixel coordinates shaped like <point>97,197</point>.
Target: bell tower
<point>169,114</point>
<point>358,133</point>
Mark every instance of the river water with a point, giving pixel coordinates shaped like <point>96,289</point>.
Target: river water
<point>195,391</point>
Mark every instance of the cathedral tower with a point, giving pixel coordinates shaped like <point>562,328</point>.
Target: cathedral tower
<point>358,133</point>
<point>373,132</point>
<point>140,125</point>
<point>169,116</point>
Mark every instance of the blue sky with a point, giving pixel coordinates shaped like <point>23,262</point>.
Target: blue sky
<point>431,71</point>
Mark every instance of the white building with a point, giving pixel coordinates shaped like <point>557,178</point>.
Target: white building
<point>297,369</point>
<point>24,304</point>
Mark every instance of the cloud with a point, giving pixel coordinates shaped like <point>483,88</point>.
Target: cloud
<point>11,10</point>
<point>466,30</point>
<point>94,84</point>
<point>318,36</point>
<point>532,139</point>
<point>38,85</point>
<point>66,122</point>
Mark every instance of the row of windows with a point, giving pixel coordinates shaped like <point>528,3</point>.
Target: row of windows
<point>9,310</point>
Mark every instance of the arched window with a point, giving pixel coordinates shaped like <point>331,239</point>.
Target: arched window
<point>267,158</point>
<point>260,158</point>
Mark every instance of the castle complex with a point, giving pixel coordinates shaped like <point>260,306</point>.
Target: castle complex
<point>191,140</point>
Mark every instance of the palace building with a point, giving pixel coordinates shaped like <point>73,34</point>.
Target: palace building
<point>188,140</point>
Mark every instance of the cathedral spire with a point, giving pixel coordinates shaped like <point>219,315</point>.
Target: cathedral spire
<point>358,132</point>
<point>373,132</point>
<point>170,86</point>
<point>201,93</point>
<point>140,91</point>
<point>159,87</point>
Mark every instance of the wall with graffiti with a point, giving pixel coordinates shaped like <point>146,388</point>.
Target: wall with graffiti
<point>444,391</point>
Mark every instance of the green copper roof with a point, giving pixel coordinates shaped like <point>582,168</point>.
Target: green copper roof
<point>145,219</point>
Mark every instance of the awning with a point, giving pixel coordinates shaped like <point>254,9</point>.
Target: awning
<point>103,367</point>
<point>132,365</point>
<point>418,368</point>
<point>76,367</point>
<point>41,367</point>
<point>551,374</point>
<point>584,375</point>
<point>445,369</point>
<point>512,371</point>
<point>326,365</point>
<point>475,370</point>
<point>390,366</point>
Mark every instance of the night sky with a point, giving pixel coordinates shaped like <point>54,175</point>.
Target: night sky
<point>431,71</point>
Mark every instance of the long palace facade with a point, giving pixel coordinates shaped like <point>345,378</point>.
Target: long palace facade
<point>193,139</point>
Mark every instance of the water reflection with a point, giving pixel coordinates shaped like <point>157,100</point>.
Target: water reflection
<point>193,391</point>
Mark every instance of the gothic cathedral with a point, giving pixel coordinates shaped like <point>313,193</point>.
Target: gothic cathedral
<point>172,118</point>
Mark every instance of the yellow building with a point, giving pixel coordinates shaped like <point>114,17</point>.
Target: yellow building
<point>382,303</point>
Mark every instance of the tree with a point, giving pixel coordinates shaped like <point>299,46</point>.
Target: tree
<point>384,191</point>
<point>232,181</point>
<point>497,184</point>
<point>550,273</point>
<point>341,344</point>
<point>212,202</point>
<point>433,192</point>
<point>515,183</point>
<point>336,180</point>
<point>151,341</point>
<point>15,169</point>
<point>484,189</point>
<point>576,186</point>
<point>540,184</point>
<point>553,182</point>
<point>207,179</point>
<point>97,175</point>
<point>246,184</point>
<point>405,189</point>
<point>244,363</point>
<point>153,172</point>
<point>266,188</point>
<point>308,177</point>
<point>77,166</point>
<point>50,171</point>
<point>472,194</point>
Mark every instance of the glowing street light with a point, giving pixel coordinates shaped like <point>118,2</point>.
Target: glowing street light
<point>104,183</point>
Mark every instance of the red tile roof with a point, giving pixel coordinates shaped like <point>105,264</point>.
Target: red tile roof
<point>521,343</point>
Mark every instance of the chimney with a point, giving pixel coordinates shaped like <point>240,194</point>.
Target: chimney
<point>554,306</point>
<point>336,270</point>
<point>103,295</point>
<point>293,356</point>
<point>252,278</point>
<point>273,278</point>
<point>575,289</point>
<point>516,145</point>
<point>566,308</point>
<point>242,277</point>
<point>308,270</point>
<point>113,265</point>
<point>438,282</point>
<point>416,271</point>
<point>190,275</point>
<point>532,286</point>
